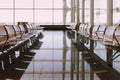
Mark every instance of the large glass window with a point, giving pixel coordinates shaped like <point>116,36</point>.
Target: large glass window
<point>58,19</point>
<point>80,11</point>
<point>40,11</point>
<point>43,16</point>
<point>87,11</point>
<point>116,11</point>
<point>6,4</point>
<point>100,11</point>
<point>43,3</point>
<point>58,3</point>
<point>6,16</point>
<point>23,3</point>
<point>24,15</point>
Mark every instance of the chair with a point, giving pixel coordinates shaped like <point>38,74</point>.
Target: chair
<point>94,30</point>
<point>88,31</point>
<point>109,35</point>
<point>85,30</point>
<point>24,25</point>
<point>3,36</point>
<point>100,32</point>
<point>18,33</point>
<point>117,36</point>
<point>81,28</point>
<point>11,35</point>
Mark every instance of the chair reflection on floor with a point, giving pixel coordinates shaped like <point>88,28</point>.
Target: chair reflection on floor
<point>15,70</point>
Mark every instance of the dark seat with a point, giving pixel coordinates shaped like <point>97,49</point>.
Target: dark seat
<point>100,32</point>
<point>22,29</point>
<point>88,31</point>
<point>24,25</point>
<point>93,34</point>
<point>109,36</point>
<point>18,33</point>
<point>117,36</point>
<point>11,35</point>
<point>3,36</point>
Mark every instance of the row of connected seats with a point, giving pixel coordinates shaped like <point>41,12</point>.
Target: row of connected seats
<point>11,35</point>
<point>106,35</point>
<point>15,42</point>
<point>18,37</point>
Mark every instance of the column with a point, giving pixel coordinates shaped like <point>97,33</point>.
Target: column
<point>64,11</point>
<point>109,12</point>
<point>72,10</point>
<point>91,12</point>
<point>77,9</point>
<point>83,11</point>
<point>109,23</point>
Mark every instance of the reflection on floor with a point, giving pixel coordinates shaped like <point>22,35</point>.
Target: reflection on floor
<point>55,58</point>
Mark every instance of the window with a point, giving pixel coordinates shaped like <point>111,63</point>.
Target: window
<point>6,4</point>
<point>87,11</point>
<point>100,12</point>
<point>43,16</point>
<point>24,15</point>
<point>6,16</point>
<point>23,3</point>
<point>116,11</point>
<point>40,11</point>
<point>43,3</point>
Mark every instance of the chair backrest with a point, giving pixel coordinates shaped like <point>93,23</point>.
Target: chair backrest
<point>88,31</point>
<point>29,28</point>
<point>93,32</point>
<point>10,32</point>
<point>72,26</point>
<point>81,28</point>
<point>3,36</point>
<point>24,25</point>
<point>22,29</point>
<point>35,28</point>
<point>101,30</point>
<point>32,28</point>
<point>77,26</point>
<point>117,35</point>
<point>17,31</point>
<point>85,29</point>
<point>109,34</point>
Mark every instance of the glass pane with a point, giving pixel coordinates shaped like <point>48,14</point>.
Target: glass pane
<point>43,3</point>
<point>100,16</point>
<point>100,12</point>
<point>43,16</point>
<point>87,16</point>
<point>6,16</point>
<point>116,11</point>
<point>100,4</point>
<point>6,4</point>
<point>80,3</point>
<point>68,17</point>
<point>58,16</point>
<point>24,3</point>
<point>87,3</point>
<point>87,11</point>
<point>58,3</point>
<point>24,15</point>
<point>68,2</point>
<point>80,15</point>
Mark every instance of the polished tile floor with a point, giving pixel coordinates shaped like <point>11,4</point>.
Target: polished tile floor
<point>55,58</point>
<point>52,60</point>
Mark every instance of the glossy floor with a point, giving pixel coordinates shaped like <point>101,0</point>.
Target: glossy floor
<point>53,58</point>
